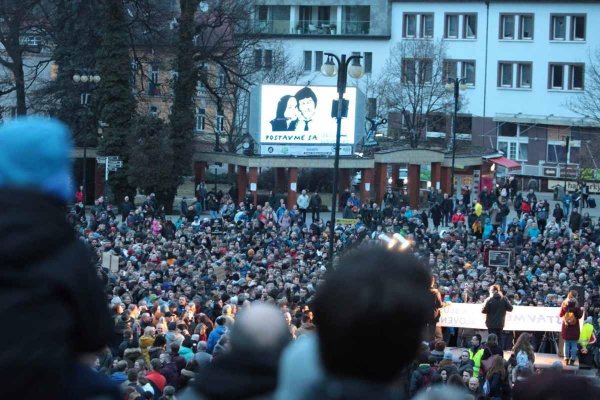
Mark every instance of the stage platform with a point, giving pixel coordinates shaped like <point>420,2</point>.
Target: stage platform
<point>542,361</point>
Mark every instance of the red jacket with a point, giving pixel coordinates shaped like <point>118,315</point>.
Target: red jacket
<point>456,218</point>
<point>159,380</point>
<point>570,332</point>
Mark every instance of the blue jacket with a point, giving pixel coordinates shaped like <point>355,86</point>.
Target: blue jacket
<point>118,377</point>
<point>186,353</point>
<point>214,337</point>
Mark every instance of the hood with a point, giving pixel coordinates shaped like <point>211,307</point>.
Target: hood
<point>32,226</point>
<point>235,376</point>
<point>424,368</point>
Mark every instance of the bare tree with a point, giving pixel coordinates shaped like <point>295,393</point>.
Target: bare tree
<point>23,38</point>
<point>413,84</point>
<point>269,63</point>
<point>587,103</point>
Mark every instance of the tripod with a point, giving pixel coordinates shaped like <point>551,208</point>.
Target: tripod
<point>549,337</point>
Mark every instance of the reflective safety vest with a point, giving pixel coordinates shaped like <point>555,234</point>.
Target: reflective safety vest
<point>476,361</point>
<point>586,336</point>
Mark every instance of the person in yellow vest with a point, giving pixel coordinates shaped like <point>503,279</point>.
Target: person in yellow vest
<point>478,209</point>
<point>475,354</point>
<point>586,338</point>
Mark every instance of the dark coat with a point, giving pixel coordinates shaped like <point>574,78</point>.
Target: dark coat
<point>570,332</point>
<point>52,293</point>
<point>495,309</point>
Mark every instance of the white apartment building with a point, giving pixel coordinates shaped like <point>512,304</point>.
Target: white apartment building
<point>524,61</point>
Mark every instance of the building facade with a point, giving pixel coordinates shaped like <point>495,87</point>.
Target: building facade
<point>525,65</point>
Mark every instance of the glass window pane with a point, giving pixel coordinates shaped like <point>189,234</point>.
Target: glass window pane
<point>318,60</point>
<point>410,25</point>
<point>307,60</point>
<point>578,28</point>
<point>558,27</point>
<point>508,27</point>
<point>427,26</point>
<point>368,62</point>
<point>469,72</point>
<point>527,27</point>
<point>576,77</point>
<point>452,26</point>
<point>557,76</point>
<point>523,151</point>
<point>470,26</point>
<point>525,75</point>
<point>506,73</point>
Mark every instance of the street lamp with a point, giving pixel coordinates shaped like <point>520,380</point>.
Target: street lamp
<point>455,85</point>
<point>342,68</point>
<point>87,78</point>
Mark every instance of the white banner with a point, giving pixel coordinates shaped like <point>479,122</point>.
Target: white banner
<point>303,150</point>
<point>593,187</point>
<point>522,318</point>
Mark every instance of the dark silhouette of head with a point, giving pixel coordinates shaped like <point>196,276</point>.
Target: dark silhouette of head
<point>281,106</point>
<point>372,296</point>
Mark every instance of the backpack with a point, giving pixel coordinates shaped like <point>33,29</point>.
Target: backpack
<point>523,359</point>
<point>570,318</point>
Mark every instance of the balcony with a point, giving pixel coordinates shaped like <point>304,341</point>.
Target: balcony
<point>276,27</point>
<point>356,27</point>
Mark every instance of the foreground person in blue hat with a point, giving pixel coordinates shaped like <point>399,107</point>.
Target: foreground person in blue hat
<point>51,299</point>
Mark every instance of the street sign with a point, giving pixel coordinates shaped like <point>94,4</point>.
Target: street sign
<point>101,160</point>
<point>113,158</point>
<point>113,169</point>
<point>115,164</point>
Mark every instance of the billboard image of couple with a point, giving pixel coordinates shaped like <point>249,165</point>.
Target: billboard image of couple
<point>302,115</point>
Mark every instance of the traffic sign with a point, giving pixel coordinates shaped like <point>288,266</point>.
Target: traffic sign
<point>113,158</point>
<point>113,169</point>
<point>115,164</point>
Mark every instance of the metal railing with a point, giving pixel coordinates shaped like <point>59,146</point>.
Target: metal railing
<point>276,26</point>
<point>356,27</point>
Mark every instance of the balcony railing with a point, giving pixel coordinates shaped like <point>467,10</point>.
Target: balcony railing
<point>356,27</point>
<point>276,26</point>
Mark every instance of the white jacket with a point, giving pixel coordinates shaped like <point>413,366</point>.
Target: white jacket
<point>303,201</point>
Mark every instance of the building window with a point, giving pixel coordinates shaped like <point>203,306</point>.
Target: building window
<point>576,77</point>
<point>451,31</point>
<point>368,62</point>
<point>410,26</point>
<point>425,68</point>
<point>308,61</point>
<point>323,15</point>
<point>257,59</point>
<point>578,27</point>
<point>558,27</point>
<point>318,60</point>
<point>464,124</point>
<point>33,41</point>
<point>200,119</point>
<point>470,26</point>
<point>409,70</point>
<point>268,59</point>
<point>524,75</point>
<point>468,72</point>
<point>507,26</point>
<point>515,149</point>
<point>505,75</point>
<point>200,89</point>
<point>153,81</point>
<point>220,125</point>
<point>557,152</point>
<point>450,68</point>
<point>221,79</point>
<point>427,26</point>
<point>526,27</point>
<point>153,111</point>
<point>556,76</point>
<point>436,122</point>
<point>372,107</point>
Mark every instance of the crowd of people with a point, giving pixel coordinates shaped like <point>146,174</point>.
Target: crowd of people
<point>239,303</point>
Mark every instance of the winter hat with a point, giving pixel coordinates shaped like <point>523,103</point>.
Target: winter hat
<point>448,355</point>
<point>36,153</point>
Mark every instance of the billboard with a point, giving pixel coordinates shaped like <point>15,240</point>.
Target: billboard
<point>301,115</point>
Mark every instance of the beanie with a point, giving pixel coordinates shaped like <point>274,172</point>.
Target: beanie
<point>36,154</point>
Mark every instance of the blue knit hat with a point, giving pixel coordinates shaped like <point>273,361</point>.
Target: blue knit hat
<point>35,152</point>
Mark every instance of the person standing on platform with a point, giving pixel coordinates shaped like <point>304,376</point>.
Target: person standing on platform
<point>570,313</point>
<point>315,206</point>
<point>496,306</point>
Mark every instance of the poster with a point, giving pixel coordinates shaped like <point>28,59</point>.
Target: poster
<point>499,258</point>
<point>302,115</point>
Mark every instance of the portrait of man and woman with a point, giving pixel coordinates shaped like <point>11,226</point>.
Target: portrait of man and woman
<point>295,113</point>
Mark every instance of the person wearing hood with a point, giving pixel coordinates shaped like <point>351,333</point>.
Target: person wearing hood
<point>216,334</point>
<point>421,377</point>
<point>488,228</point>
<point>186,351</point>
<point>496,306</point>
<point>48,285</point>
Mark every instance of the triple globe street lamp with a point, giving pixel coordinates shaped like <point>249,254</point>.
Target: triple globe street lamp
<point>455,85</point>
<point>342,67</point>
<point>86,79</point>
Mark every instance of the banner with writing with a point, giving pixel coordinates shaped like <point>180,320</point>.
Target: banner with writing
<point>522,318</point>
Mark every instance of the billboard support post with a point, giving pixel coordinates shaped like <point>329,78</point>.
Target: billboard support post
<point>343,69</point>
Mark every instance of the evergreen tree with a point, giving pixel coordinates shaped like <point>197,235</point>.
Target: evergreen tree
<point>116,101</point>
<point>151,160</point>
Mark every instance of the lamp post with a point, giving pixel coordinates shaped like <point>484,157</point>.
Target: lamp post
<point>87,79</point>
<point>342,67</point>
<point>455,85</point>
